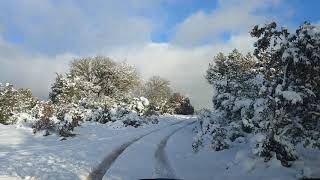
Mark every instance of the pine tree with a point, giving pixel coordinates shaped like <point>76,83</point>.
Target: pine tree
<point>234,82</point>
<point>291,64</point>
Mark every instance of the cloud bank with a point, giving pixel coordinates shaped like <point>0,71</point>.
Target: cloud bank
<point>54,32</point>
<point>184,67</point>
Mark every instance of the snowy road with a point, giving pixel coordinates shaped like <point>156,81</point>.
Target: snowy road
<point>146,158</point>
<point>163,167</point>
<point>102,168</point>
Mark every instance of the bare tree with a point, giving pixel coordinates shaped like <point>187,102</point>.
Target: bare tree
<point>100,76</point>
<point>158,91</point>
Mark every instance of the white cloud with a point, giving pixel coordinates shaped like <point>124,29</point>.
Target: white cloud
<point>77,26</point>
<point>30,71</point>
<point>184,67</point>
<point>230,16</point>
<point>62,30</point>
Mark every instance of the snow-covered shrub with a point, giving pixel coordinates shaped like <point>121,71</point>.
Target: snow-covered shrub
<point>132,113</point>
<point>202,127</point>
<point>140,105</point>
<point>62,118</point>
<point>154,119</point>
<point>14,101</point>
<point>132,119</point>
<point>47,121</point>
<point>219,138</point>
<point>210,130</point>
<point>23,119</point>
<point>215,131</point>
<point>152,111</point>
<point>179,104</point>
<point>65,128</point>
<point>277,146</point>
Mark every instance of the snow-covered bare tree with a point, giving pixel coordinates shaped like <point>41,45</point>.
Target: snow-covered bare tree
<point>112,78</point>
<point>157,90</point>
<point>95,77</point>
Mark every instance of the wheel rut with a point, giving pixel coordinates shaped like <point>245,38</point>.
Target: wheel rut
<point>102,168</point>
<point>163,168</point>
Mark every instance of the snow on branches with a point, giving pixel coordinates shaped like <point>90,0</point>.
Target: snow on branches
<point>276,94</point>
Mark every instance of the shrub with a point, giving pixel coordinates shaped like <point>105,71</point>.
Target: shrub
<point>179,104</point>
<point>14,101</point>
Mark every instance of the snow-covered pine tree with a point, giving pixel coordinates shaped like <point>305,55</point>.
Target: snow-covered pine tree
<point>236,86</point>
<point>291,63</point>
<point>237,103</point>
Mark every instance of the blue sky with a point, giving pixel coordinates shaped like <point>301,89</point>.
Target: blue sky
<point>176,13</point>
<point>160,37</point>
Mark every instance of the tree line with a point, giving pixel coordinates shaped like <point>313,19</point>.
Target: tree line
<point>91,90</point>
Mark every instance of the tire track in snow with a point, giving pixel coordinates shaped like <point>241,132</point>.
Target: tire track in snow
<point>163,168</point>
<point>102,168</point>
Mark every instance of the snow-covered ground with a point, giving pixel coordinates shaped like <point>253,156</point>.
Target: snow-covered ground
<point>154,151</point>
<point>237,162</point>
<point>25,155</point>
<point>143,159</point>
